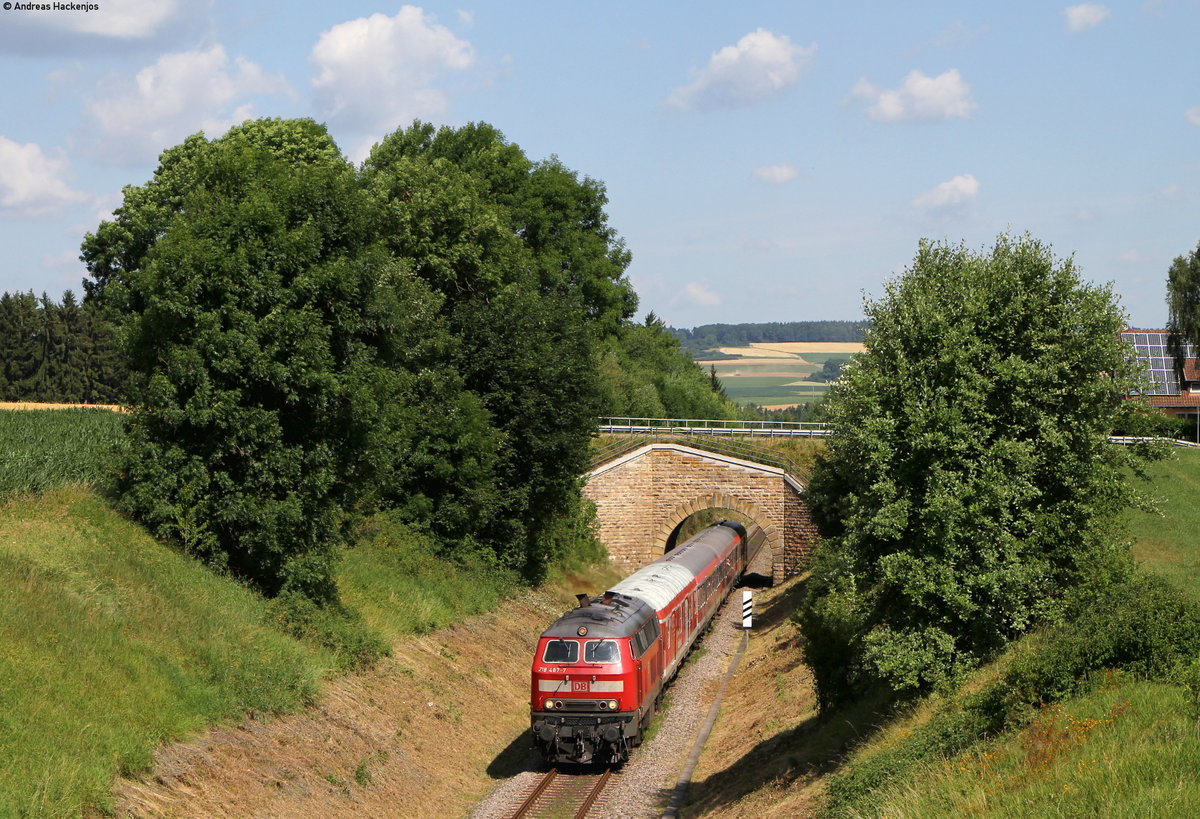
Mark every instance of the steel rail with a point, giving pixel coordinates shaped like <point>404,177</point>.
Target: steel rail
<point>536,794</point>
<point>593,795</point>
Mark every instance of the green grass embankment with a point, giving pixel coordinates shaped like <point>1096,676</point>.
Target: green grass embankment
<point>1113,743</point>
<point>111,643</point>
<point>1167,541</point>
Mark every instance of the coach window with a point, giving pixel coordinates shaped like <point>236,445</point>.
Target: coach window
<point>561,651</point>
<point>601,651</point>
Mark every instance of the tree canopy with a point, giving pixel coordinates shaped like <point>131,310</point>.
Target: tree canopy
<point>310,341</point>
<point>1183,303</point>
<point>969,483</point>
<point>58,352</point>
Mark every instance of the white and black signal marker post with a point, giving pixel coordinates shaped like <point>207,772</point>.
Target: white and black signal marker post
<point>747,607</point>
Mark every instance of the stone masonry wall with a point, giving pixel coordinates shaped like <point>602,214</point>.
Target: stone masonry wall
<point>639,503</point>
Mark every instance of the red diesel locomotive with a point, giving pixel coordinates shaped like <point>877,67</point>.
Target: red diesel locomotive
<point>599,670</point>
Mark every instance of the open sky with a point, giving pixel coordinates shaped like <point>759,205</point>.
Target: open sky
<point>765,161</point>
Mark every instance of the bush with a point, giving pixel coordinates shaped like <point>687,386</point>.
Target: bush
<point>333,626</point>
<point>1142,626</point>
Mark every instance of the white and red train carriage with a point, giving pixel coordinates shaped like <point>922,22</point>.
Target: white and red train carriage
<point>599,670</point>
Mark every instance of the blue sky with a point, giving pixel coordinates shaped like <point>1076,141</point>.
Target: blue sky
<point>765,161</point>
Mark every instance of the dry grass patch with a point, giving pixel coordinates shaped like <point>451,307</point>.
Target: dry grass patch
<point>755,762</point>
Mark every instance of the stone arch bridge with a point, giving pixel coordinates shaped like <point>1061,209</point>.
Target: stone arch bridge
<point>645,488</point>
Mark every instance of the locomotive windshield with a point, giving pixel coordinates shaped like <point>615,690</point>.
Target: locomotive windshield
<point>601,651</point>
<point>561,651</point>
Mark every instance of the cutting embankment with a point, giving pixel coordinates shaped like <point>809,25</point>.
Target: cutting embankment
<point>1098,717</point>
<point>139,682</point>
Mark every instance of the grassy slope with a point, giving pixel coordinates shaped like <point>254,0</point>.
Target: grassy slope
<point>1128,749</point>
<point>1167,541</point>
<point>110,643</point>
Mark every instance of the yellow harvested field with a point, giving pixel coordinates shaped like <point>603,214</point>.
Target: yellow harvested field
<point>754,351</point>
<point>735,363</point>
<point>27,405</point>
<point>764,348</point>
<point>806,384</point>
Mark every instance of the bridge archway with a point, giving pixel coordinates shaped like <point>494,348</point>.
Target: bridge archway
<point>643,496</point>
<point>669,532</point>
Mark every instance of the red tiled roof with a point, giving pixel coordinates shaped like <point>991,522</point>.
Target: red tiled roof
<point>1174,400</point>
<point>1190,372</point>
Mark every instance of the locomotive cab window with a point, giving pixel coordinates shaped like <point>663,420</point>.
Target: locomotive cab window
<point>561,651</point>
<point>601,651</point>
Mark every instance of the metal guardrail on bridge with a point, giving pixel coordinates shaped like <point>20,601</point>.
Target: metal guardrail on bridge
<point>685,426</point>
<point>1129,440</point>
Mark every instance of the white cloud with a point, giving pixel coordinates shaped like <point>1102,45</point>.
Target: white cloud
<point>920,98</point>
<point>1132,256</point>
<point>697,293</point>
<point>31,182</point>
<point>178,95</point>
<point>949,196</point>
<point>377,73</point>
<point>1193,115</point>
<point>761,65</point>
<point>1085,16</point>
<point>776,174</point>
<point>465,17</point>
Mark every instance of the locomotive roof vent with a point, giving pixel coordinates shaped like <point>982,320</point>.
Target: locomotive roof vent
<point>608,598</point>
<point>583,599</point>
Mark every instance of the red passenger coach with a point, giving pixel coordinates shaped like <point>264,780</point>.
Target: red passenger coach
<point>599,670</point>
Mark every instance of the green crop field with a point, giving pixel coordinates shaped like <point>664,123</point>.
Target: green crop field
<point>40,449</point>
<point>772,379</point>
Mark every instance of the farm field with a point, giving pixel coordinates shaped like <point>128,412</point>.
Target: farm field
<point>47,448</point>
<point>777,374</point>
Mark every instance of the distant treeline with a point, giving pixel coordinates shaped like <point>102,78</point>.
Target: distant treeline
<point>711,336</point>
<point>60,352</point>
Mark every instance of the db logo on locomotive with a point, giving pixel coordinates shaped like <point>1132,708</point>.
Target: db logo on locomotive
<point>579,686</point>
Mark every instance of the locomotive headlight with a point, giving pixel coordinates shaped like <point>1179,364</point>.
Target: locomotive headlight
<point>558,704</point>
<point>612,705</point>
<point>602,705</point>
<point>548,704</point>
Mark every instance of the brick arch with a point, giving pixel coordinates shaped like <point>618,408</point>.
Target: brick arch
<point>643,494</point>
<point>722,500</point>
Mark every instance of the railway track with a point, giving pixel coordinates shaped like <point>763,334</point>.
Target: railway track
<point>558,795</point>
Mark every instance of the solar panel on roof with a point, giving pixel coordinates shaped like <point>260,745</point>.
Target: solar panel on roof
<point>1151,348</point>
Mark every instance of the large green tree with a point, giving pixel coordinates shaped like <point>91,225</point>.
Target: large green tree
<point>533,278</point>
<point>1183,302</point>
<point>310,340</point>
<point>288,370</point>
<point>969,483</point>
